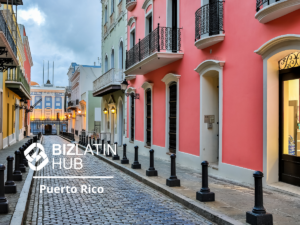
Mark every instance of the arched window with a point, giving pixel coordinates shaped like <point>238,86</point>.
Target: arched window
<point>106,65</point>
<point>112,59</point>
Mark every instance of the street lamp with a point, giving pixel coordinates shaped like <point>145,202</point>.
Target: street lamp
<point>113,110</point>
<point>22,102</point>
<point>105,111</point>
<point>124,85</point>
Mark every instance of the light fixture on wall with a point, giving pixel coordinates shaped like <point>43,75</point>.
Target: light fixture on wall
<point>113,110</point>
<point>124,85</point>
<point>105,111</point>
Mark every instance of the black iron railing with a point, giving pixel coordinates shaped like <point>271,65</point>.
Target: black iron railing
<point>5,30</point>
<point>260,3</point>
<point>162,38</point>
<point>209,19</point>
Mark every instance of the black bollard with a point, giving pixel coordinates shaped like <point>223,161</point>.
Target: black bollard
<point>108,153</point>
<point>136,164</point>
<point>102,146</point>
<point>10,186</point>
<point>116,156</point>
<point>17,175</point>
<point>151,171</point>
<point>94,147</point>
<point>173,181</point>
<point>3,200</point>
<point>124,160</point>
<point>86,140</point>
<point>21,162</point>
<point>204,195</point>
<point>25,161</point>
<point>258,216</point>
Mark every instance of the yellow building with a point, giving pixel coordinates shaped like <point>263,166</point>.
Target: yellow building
<point>13,83</point>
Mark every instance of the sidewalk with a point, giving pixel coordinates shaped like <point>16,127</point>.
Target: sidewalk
<point>231,200</point>
<point>12,198</point>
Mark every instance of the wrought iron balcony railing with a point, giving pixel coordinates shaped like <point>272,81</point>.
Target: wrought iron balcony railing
<point>113,76</point>
<point>162,38</point>
<point>261,3</point>
<point>6,31</point>
<point>209,19</point>
<point>20,78</point>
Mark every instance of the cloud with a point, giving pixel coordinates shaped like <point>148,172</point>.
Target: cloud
<point>32,14</point>
<point>65,32</point>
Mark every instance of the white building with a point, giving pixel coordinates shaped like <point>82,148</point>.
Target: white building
<point>84,109</point>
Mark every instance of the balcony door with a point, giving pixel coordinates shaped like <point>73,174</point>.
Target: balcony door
<point>289,126</point>
<point>174,25</point>
<point>214,23</point>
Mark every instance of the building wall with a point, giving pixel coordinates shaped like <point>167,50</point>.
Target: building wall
<point>92,103</point>
<point>242,117</point>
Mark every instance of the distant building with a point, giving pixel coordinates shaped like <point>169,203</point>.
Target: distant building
<point>50,111</point>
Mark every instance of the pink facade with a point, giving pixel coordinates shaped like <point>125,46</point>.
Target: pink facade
<point>242,140</point>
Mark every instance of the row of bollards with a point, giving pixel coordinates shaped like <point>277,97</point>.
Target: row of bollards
<point>258,216</point>
<point>9,187</point>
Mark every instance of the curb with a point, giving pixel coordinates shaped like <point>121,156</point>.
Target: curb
<point>21,207</point>
<point>197,207</point>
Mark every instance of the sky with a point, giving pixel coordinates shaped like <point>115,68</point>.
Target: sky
<point>63,31</point>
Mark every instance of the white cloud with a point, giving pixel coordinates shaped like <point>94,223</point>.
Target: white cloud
<point>32,14</point>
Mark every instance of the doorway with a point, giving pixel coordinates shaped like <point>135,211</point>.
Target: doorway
<point>289,126</point>
<point>48,129</point>
<point>210,117</point>
<point>173,117</point>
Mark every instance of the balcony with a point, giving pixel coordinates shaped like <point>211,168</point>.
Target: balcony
<point>159,48</point>
<point>18,84</point>
<point>73,104</point>
<point>8,49</point>
<point>107,83</point>
<point>268,10</point>
<point>209,25</point>
<point>130,5</point>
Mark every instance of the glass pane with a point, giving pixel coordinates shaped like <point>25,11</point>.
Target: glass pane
<point>291,126</point>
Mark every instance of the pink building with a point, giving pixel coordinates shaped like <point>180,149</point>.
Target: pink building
<point>207,82</point>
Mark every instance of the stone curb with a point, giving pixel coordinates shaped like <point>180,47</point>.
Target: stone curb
<point>197,207</point>
<point>21,207</point>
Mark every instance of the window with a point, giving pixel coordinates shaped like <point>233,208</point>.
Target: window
<point>106,64</point>
<point>112,6</point>
<point>172,117</point>
<point>105,15</point>
<point>48,104</point>
<point>132,38</point>
<point>57,104</point>
<point>47,98</point>
<point>132,117</point>
<point>148,117</point>
<point>112,59</point>
<point>121,56</point>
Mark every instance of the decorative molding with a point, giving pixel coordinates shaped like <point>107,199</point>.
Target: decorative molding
<point>147,85</point>
<point>203,43</point>
<point>130,6</point>
<point>131,90</point>
<point>262,50</point>
<point>276,10</point>
<point>171,77</point>
<point>208,63</point>
<point>131,21</point>
<point>146,4</point>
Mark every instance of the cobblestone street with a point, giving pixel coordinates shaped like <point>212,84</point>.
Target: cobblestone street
<point>124,200</point>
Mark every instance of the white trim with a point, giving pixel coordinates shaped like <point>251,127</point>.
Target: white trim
<point>168,80</point>
<point>168,22</point>
<point>146,4</point>
<point>206,42</point>
<point>275,42</point>
<point>271,52</point>
<point>276,10</point>
<point>131,21</point>
<point>130,77</point>
<point>131,90</point>
<point>146,85</point>
<point>147,15</point>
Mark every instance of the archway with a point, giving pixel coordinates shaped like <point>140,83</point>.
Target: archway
<point>48,129</point>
